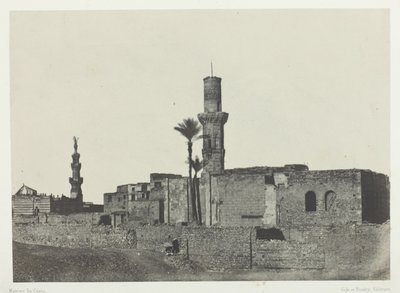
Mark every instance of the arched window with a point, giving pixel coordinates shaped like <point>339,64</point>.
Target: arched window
<point>330,198</point>
<point>311,201</point>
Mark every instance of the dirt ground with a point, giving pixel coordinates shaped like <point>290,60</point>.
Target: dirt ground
<point>39,263</point>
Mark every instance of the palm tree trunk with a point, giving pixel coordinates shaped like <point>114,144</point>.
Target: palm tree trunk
<point>196,186</point>
<point>194,209</point>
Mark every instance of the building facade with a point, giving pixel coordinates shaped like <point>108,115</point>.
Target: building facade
<point>28,202</point>
<point>286,196</point>
<point>163,200</point>
<point>281,196</point>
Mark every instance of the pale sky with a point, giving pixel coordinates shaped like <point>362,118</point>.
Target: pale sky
<point>300,86</point>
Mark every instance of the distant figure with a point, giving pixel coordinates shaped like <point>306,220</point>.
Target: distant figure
<point>36,211</point>
<point>45,214</point>
<point>169,246</point>
<point>175,246</point>
<point>37,214</point>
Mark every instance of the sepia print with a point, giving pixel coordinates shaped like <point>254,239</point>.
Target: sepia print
<point>230,145</point>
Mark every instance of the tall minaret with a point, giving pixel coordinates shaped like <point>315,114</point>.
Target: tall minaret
<point>76,180</point>
<point>213,120</point>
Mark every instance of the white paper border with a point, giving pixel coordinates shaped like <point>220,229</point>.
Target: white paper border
<point>283,286</point>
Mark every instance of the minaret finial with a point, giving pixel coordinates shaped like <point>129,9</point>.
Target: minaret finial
<point>211,69</point>
<point>75,143</point>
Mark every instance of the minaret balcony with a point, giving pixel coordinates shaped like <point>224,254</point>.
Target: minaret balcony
<point>76,181</point>
<point>215,117</point>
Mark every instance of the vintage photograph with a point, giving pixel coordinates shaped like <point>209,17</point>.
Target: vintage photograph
<point>200,145</point>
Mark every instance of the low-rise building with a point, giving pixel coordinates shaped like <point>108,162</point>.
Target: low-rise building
<point>163,200</point>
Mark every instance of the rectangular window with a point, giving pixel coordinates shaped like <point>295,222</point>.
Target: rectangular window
<point>157,184</point>
<point>269,179</point>
<point>252,216</point>
<point>109,198</point>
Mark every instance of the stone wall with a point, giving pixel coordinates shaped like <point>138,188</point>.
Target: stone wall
<point>375,190</point>
<point>176,203</point>
<point>53,219</point>
<point>218,248</point>
<point>145,211</point>
<point>277,196</point>
<point>173,191</point>
<point>238,199</point>
<point>354,248</point>
<point>350,250</point>
<point>269,199</point>
<point>344,206</point>
<point>277,254</point>
<point>89,207</point>
<point>269,217</point>
<point>154,237</point>
<point>215,248</point>
<point>116,202</point>
<point>347,251</point>
<point>74,236</point>
<point>78,218</point>
<point>66,205</point>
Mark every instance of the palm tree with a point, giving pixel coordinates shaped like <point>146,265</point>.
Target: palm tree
<point>190,129</point>
<point>197,165</point>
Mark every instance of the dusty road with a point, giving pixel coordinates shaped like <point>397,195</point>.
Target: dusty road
<point>39,263</point>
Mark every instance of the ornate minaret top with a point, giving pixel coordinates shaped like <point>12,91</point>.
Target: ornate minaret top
<point>213,120</point>
<point>76,144</point>
<point>76,180</point>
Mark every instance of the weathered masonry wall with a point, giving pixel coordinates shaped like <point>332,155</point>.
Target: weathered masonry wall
<point>115,201</point>
<point>146,211</point>
<point>269,217</point>
<point>350,250</point>
<point>347,252</point>
<point>288,255</point>
<point>375,190</point>
<point>213,247</point>
<point>66,205</point>
<point>239,200</point>
<point>74,236</point>
<point>174,193</point>
<point>291,198</point>
<point>53,219</point>
<point>154,237</point>
<point>353,248</point>
<point>337,198</point>
<point>177,201</point>
<point>218,248</point>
